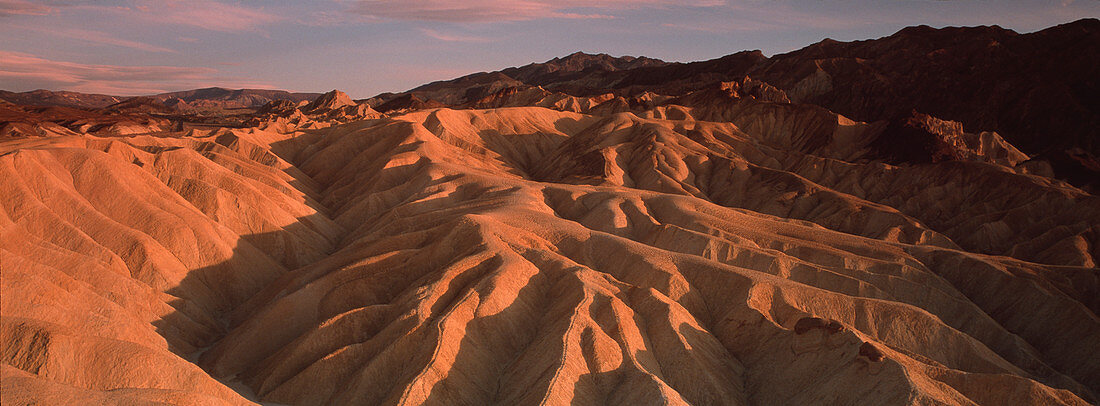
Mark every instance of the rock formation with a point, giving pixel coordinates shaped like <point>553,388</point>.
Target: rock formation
<point>725,244</point>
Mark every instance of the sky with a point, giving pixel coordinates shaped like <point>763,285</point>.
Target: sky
<point>365,47</point>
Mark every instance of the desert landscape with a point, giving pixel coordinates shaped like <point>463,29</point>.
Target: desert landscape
<point>906,220</point>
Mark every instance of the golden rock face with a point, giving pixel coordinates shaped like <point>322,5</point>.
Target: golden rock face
<point>527,255</point>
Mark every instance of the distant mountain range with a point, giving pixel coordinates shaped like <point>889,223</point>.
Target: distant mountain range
<point>60,98</point>
<point>208,98</point>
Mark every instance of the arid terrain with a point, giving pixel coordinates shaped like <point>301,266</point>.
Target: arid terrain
<point>907,220</point>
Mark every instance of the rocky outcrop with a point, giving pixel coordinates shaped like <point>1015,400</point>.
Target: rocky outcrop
<point>139,105</point>
<point>408,102</point>
<point>922,138</point>
<point>126,118</point>
<point>334,100</point>
<point>332,106</point>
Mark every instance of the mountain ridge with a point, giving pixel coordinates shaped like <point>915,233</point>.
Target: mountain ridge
<point>1007,89</point>
<point>210,97</point>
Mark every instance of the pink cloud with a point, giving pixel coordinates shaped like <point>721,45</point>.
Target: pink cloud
<point>505,10</point>
<point>212,15</point>
<point>328,18</point>
<point>107,39</point>
<point>95,37</point>
<point>23,71</point>
<point>205,14</point>
<point>22,7</point>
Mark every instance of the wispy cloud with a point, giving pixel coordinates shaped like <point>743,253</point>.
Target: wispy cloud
<point>210,15</point>
<point>107,39</point>
<point>506,10</point>
<point>95,37</point>
<point>25,71</point>
<point>339,15</point>
<point>10,8</point>
<point>452,37</point>
<point>205,14</point>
